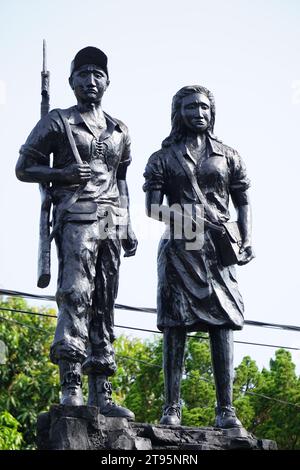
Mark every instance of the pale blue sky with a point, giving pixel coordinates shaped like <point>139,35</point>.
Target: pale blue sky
<point>246,52</point>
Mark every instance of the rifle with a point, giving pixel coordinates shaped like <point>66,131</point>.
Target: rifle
<point>44,256</point>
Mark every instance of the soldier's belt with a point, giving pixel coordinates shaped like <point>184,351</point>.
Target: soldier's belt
<point>64,208</point>
<point>82,211</point>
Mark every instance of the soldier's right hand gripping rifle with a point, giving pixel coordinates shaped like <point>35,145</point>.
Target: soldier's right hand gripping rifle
<point>44,256</point>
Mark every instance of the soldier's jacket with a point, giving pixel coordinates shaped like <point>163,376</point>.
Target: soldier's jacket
<point>108,157</point>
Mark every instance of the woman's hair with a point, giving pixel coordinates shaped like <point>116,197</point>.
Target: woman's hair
<point>178,129</point>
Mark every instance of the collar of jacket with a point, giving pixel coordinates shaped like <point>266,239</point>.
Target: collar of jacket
<point>75,118</point>
<point>214,144</point>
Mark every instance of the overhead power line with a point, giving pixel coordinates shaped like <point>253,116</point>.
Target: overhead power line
<point>51,298</point>
<point>26,325</point>
<point>284,402</point>
<point>204,337</point>
<point>14,293</point>
<point>129,328</point>
<point>40,314</point>
<point>248,392</point>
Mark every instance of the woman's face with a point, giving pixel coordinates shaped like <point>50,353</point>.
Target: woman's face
<point>196,112</point>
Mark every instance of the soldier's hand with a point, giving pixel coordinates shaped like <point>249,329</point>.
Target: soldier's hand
<point>129,244</point>
<point>77,173</point>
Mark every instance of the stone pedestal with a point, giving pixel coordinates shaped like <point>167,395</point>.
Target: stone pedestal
<point>84,428</point>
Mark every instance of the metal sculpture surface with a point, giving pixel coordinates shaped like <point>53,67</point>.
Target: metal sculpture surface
<point>197,286</point>
<point>89,194</point>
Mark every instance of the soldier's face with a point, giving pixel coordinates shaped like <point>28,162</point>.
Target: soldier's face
<point>196,112</point>
<point>89,83</point>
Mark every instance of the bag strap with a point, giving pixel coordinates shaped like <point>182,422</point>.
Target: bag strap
<point>202,199</point>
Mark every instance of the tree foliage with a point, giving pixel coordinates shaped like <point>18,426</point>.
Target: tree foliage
<point>29,383</point>
<point>10,437</point>
<point>276,418</point>
<point>279,418</point>
<point>139,377</point>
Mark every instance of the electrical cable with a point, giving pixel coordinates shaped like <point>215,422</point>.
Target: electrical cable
<point>13,293</point>
<point>154,365</point>
<point>146,330</point>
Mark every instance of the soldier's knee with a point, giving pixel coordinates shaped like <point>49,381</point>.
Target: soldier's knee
<point>75,296</point>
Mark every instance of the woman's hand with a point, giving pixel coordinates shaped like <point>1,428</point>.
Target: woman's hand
<point>248,253</point>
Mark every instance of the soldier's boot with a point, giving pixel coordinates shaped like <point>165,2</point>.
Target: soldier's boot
<point>221,342</point>
<point>100,391</point>
<point>174,345</point>
<point>71,385</point>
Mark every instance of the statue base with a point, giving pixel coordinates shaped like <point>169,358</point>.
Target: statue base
<point>84,428</point>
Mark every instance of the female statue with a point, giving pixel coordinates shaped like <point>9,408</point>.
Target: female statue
<point>196,292</point>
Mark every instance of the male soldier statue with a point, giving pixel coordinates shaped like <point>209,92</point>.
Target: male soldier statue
<point>91,153</point>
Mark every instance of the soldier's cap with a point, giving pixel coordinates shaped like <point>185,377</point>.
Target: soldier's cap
<point>89,55</point>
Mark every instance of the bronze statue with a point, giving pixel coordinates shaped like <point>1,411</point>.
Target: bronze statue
<point>196,291</point>
<point>87,183</point>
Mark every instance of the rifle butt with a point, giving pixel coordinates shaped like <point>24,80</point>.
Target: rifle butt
<point>44,255</point>
<point>44,274</point>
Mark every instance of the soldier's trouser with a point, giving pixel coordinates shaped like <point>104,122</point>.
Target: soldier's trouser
<point>87,288</point>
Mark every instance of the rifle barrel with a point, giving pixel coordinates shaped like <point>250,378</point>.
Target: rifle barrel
<point>45,78</point>
<point>44,56</point>
<point>44,256</point>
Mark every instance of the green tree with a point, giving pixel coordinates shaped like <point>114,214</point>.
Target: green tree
<point>10,437</point>
<point>198,391</point>
<point>139,380</point>
<point>276,419</point>
<point>247,379</point>
<point>139,377</point>
<point>141,388</point>
<point>28,381</point>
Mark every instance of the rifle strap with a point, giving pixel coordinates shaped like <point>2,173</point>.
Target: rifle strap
<point>75,196</point>
<point>69,134</point>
